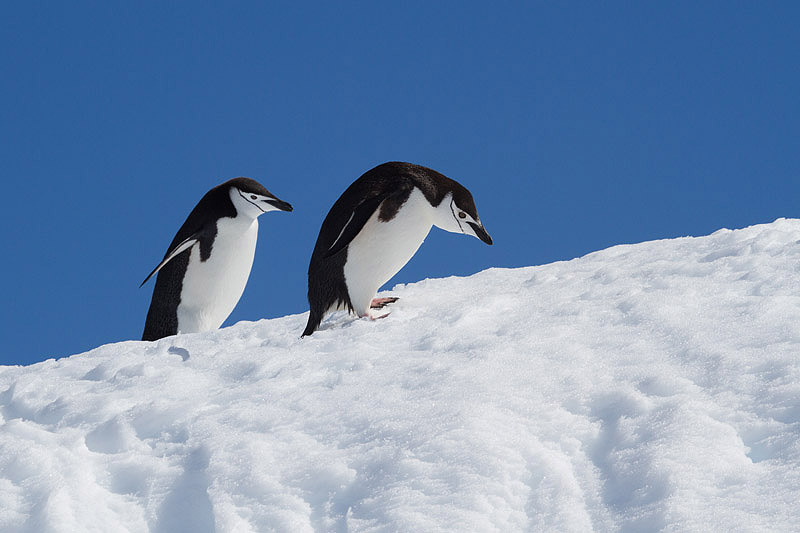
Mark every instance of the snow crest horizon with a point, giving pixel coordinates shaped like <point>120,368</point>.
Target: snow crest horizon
<point>642,387</point>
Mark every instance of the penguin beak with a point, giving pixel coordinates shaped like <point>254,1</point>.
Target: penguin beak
<point>480,233</point>
<point>280,204</point>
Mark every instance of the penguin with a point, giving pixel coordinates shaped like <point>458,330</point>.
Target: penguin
<point>205,269</point>
<point>374,228</point>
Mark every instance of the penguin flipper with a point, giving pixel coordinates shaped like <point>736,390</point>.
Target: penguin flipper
<point>354,224</point>
<point>185,245</point>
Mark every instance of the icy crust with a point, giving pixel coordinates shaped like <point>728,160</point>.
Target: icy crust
<point>643,387</point>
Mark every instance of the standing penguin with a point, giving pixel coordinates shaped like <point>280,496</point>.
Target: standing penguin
<point>374,228</point>
<point>205,269</point>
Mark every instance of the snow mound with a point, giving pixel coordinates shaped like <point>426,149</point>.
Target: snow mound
<point>643,387</point>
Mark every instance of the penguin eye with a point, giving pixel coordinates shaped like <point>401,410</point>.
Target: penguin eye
<point>462,214</point>
<point>253,197</point>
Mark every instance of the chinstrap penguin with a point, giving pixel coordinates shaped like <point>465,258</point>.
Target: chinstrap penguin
<point>374,228</point>
<point>205,269</point>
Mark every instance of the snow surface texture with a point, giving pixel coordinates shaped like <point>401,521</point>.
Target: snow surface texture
<point>645,387</point>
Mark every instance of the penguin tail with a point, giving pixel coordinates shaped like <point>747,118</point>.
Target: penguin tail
<point>314,320</point>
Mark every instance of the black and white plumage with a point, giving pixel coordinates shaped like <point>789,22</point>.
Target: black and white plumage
<point>205,269</point>
<point>375,227</point>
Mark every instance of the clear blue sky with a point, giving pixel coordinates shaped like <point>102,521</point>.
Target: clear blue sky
<point>576,126</point>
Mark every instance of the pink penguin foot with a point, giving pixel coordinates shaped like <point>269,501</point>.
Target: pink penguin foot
<point>380,303</point>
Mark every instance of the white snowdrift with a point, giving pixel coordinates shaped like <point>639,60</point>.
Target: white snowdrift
<point>644,387</point>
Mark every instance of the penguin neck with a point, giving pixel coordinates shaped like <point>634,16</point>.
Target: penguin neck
<point>242,220</point>
<point>442,215</point>
<point>237,227</point>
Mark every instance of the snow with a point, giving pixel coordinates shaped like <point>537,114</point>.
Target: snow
<point>644,387</point>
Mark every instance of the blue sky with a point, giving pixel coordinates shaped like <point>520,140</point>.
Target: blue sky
<point>576,126</point>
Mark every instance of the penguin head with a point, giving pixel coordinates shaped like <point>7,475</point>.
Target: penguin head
<point>251,199</point>
<point>457,213</point>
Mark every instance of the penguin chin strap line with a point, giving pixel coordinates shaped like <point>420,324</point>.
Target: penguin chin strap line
<point>455,216</point>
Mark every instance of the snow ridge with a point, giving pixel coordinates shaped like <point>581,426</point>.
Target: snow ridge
<point>642,387</point>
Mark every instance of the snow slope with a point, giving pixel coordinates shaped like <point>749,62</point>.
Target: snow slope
<point>643,387</point>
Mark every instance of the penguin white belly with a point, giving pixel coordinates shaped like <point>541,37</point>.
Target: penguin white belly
<point>212,288</point>
<point>381,249</point>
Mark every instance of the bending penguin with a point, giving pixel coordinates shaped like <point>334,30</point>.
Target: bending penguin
<point>205,269</point>
<point>374,228</point>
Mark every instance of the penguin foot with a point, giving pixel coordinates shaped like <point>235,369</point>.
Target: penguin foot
<point>379,317</point>
<point>380,303</point>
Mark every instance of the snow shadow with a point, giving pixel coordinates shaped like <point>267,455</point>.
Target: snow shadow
<point>187,508</point>
<point>629,480</point>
